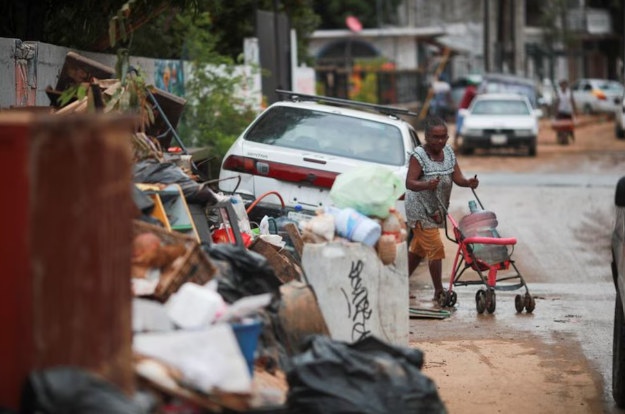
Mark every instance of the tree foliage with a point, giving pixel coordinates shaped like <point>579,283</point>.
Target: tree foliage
<point>83,24</point>
<point>216,113</point>
<point>231,22</point>
<point>80,24</point>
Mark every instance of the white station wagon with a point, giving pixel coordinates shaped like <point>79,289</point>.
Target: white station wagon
<point>298,147</point>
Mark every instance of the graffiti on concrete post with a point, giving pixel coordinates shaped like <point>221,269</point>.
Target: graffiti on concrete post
<point>358,297</point>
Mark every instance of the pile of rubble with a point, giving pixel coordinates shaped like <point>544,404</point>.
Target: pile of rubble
<point>225,316</point>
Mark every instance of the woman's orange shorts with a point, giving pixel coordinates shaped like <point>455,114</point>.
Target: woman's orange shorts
<point>427,243</point>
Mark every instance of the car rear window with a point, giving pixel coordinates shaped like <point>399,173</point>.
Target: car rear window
<point>331,134</point>
<point>496,107</point>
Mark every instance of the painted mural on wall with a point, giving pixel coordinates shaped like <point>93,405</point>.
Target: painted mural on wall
<point>169,76</point>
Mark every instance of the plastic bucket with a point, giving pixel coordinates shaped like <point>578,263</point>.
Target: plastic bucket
<point>247,336</point>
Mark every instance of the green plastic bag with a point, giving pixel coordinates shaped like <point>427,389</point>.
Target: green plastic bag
<point>370,190</point>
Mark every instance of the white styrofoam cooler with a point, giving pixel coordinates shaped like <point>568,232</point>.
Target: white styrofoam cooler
<point>357,294</point>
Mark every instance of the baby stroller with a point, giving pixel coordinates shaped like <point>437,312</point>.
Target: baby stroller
<point>481,249</point>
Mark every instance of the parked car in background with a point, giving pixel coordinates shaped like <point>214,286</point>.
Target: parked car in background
<point>619,120</point>
<point>618,272</point>
<point>298,147</point>
<point>597,95</point>
<point>499,83</point>
<point>500,121</point>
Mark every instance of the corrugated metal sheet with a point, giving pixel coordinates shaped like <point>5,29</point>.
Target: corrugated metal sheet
<point>68,207</point>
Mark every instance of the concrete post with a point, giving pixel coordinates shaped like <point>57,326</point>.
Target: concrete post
<point>519,37</point>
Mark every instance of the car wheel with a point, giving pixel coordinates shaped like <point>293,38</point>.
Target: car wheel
<point>618,354</point>
<point>532,149</point>
<point>618,130</point>
<point>587,109</point>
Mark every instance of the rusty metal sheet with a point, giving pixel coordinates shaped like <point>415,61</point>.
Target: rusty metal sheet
<point>70,213</point>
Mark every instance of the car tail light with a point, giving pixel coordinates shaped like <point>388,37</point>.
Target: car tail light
<point>279,171</point>
<point>599,94</point>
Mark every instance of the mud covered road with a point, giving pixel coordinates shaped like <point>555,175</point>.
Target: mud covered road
<point>559,205</point>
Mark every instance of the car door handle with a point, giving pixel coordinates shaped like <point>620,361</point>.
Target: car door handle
<point>316,161</point>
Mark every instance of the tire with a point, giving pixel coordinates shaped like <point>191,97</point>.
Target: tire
<point>491,301</point>
<point>618,354</point>
<point>587,109</point>
<point>618,131</point>
<point>532,149</point>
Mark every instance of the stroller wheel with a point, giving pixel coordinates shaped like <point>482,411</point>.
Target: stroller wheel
<point>491,301</point>
<point>480,301</point>
<point>530,304</point>
<point>443,299</point>
<point>453,298</point>
<point>519,303</point>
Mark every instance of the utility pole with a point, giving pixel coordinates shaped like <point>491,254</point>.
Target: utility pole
<point>276,34</point>
<point>486,36</point>
<point>513,28</point>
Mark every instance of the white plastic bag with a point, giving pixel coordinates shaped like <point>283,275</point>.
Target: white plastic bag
<point>369,190</point>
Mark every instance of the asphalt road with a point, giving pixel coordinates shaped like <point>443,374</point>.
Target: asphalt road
<point>559,206</point>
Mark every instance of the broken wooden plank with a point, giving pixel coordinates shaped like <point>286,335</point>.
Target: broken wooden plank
<point>296,239</point>
<point>283,268</point>
<point>73,107</point>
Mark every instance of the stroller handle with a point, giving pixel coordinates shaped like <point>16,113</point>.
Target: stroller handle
<point>490,240</point>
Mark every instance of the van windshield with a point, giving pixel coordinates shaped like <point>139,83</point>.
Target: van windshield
<point>331,134</point>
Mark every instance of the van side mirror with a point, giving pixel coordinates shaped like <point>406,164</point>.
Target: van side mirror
<point>619,197</point>
<point>463,112</point>
<point>538,113</point>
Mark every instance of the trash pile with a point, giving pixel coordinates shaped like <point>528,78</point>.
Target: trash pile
<point>223,315</point>
<point>363,212</point>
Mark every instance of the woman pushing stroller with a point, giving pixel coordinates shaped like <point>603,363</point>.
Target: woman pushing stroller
<point>432,170</point>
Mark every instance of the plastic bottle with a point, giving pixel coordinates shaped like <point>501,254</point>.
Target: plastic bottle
<point>391,226</point>
<point>481,223</point>
<point>355,226</point>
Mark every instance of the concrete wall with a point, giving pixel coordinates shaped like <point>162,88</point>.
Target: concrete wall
<point>48,64</point>
<point>43,67</point>
<point>7,72</point>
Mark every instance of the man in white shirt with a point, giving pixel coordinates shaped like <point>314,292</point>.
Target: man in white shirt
<point>566,104</point>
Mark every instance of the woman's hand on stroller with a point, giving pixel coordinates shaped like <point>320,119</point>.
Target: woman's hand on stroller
<point>473,182</point>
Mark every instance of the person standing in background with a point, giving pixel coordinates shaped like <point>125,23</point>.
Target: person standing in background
<point>465,102</point>
<point>565,103</point>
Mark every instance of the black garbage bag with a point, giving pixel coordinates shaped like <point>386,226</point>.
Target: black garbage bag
<point>151,171</point>
<point>368,377</point>
<point>72,390</point>
<point>246,273</point>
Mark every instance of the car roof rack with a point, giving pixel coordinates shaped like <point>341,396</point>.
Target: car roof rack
<point>383,109</point>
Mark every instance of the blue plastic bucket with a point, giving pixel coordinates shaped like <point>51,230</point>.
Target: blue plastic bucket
<point>247,335</point>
